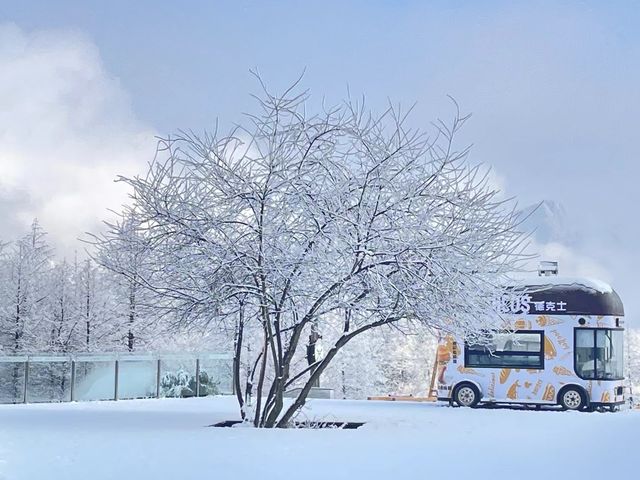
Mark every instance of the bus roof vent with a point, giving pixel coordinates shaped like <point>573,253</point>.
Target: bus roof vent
<point>547,269</point>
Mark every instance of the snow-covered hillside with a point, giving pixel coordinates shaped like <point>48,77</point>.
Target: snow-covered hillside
<point>549,222</point>
<point>158,439</point>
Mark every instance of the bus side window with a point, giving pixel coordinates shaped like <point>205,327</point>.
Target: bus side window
<point>508,350</point>
<point>585,361</point>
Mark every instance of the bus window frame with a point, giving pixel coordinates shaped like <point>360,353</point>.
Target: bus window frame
<point>595,346</point>
<point>539,366</point>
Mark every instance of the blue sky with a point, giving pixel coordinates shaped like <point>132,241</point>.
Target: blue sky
<point>194,55</point>
<point>553,88</point>
<point>150,42</point>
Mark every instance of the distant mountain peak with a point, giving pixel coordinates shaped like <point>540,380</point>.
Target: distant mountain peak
<point>549,222</point>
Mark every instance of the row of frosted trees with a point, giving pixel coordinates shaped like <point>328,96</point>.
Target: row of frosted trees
<point>64,306</point>
<point>52,305</point>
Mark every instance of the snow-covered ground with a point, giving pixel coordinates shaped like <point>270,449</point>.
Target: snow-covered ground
<point>158,439</point>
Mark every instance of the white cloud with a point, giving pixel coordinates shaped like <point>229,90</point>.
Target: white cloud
<point>572,262</point>
<point>66,131</point>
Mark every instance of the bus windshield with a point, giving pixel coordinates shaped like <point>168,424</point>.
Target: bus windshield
<point>599,354</point>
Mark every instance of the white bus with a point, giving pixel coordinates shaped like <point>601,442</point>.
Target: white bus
<point>562,343</point>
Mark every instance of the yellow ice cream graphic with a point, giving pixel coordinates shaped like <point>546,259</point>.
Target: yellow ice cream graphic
<point>549,349</point>
<point>522,324</point>
<point>560,370</point>
<point>512,393</point>
<point>492,386</point>
<point>561,340</point>
<point>468,371</point>
<point>545,320</point>
<point>504,375</point>
<point>606,397</point>
<point>536,387</point>
<point>549,394</point>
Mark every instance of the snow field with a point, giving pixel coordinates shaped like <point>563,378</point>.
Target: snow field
<point>157,439</point>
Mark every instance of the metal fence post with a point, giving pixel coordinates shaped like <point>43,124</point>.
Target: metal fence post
<point>158,379</point>
<point>197,377</point>
<point>115,386</point>
<point>73,380</point>
<point>26,381</point>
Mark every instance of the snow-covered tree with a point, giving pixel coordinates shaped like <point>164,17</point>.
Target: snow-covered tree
<point>25,292</point>
<point>127,257</point>
<point>49,305</point>
<point>102,307</point>
<point>294,220</point>
<point>23,302</point>
<point>63,314</point>
<point>87,301</point>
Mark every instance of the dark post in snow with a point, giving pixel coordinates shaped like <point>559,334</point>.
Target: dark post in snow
<point>314,336</point>
<point>73,381</point>
<point>116,380</point>
<point>26,381</point>
<point>158,380</point>
<point>197,392</point>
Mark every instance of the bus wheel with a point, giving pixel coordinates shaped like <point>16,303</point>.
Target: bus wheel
<point>572,398</point>
<point>466,395</point>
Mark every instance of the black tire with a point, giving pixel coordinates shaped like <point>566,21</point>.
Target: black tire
<point>572,398</point>
<point>466,395</point>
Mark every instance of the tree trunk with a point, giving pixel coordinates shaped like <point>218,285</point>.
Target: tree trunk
<point>236,361</point>
<point>317,371</point>
<point>132,317</point>
<point>263,369</point>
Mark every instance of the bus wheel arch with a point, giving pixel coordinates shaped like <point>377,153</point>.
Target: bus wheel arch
<point>466,394</point>
<point>573,397</point>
